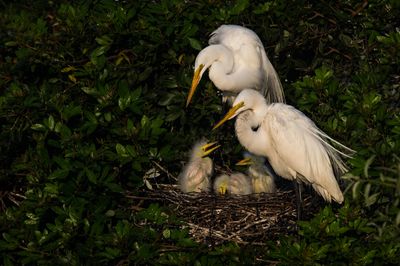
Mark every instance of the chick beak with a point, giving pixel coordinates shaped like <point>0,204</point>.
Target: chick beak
<point>195,83</point>
<point>209,148</point>
<point>222,190</point>
<point>246,161</point>
<point>230,114</point>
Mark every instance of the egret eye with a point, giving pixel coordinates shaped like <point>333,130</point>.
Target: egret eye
<point>255,128</point>
<point>235,65</point>
<point>296,148</point>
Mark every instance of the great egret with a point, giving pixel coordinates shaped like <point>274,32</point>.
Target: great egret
<point>296,148</point>
<point>195,176</point>
<point>237,60</point>
<point>235,184</point>
<point>261,177</point>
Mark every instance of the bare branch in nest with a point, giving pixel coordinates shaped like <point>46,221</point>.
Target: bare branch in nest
<point>212,219</point>
<point>165,171</point>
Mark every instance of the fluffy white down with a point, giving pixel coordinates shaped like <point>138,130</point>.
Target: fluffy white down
<point>236,184</point>
<point>261,180</point>
<point>196,174</point>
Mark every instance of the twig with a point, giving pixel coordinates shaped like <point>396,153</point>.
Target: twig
<point>165,170</point>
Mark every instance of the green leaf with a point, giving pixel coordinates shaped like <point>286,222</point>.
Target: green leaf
<point>124,102</point>
<point>239,7</point>
<point>145,122</point>
<point>91,175</point>
<point>11,43</point>
<point>367,165</point>
<point>104,40</point>
<point>90,91</point>
<point>59,174</point>
<point>121,151</point>
<point>195,44</point>
<point>38,127</point>
<point>166,233</point>
<point>99,51</point>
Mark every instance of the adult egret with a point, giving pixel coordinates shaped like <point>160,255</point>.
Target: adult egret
<point>234,184</point>
<point>236,60</point>
<point>260,176</point>
<point>196,174</point>
<point>296,148</point>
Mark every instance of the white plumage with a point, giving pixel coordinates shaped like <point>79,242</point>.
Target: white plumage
<point>261,179</point>
<point>196,174</point>
<point>236,60</point>
<point>295,147</point>
<point>235,184</point>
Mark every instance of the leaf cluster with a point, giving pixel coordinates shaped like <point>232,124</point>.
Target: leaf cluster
<point>92,103</point>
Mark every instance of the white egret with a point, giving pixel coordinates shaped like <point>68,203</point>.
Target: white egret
<point>196,174</point>
<point>296,148</point>
<point>261,178</point>
<point>234,184</point>
<point>236,60</point>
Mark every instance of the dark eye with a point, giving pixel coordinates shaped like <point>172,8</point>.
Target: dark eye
<point>255,128</point>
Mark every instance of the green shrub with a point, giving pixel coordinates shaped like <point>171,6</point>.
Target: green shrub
<point>92,104</point>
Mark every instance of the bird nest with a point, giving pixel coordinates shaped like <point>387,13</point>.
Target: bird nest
<point>214,219</point>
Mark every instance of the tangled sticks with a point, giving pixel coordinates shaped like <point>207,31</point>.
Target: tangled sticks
<point>212,219</point>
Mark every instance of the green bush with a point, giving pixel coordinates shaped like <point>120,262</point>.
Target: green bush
<point>92,103</point>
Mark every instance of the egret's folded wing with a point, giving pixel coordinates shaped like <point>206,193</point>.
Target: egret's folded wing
<point>299,148</point>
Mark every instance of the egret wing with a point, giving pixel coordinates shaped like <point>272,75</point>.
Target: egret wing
<point>300,150</point>
<point>234,37</point>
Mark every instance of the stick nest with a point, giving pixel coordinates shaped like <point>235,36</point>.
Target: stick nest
<point>214,219</point>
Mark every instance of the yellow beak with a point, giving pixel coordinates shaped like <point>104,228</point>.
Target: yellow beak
<point>222,190</point>
<point>231,113</point>
<point>209,148</point>
<point>246,161</point>
<point>195,82</point>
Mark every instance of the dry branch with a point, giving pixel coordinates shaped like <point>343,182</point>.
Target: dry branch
<point>213,219</point>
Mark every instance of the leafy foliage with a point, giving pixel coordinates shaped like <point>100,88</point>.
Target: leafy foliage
<point>92,103</point>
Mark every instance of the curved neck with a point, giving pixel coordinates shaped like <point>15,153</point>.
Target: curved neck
<point>221,63</point>
<point>217,57</point>
<point>249,132</point>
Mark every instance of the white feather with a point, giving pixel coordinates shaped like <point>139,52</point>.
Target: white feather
<point>196,174</point>
<point>237,60</point>
<point>295,147</point>
<point>236,184</point>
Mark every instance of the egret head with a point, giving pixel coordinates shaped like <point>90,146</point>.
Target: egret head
<point>234,111</point>
<point>202,63</point>
<point>247,99</point>
<point>207,57</point>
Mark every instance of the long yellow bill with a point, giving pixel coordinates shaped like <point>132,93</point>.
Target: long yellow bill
<point>209,148</point>
<point>245,161</point>
<point>229,115</point>
<point>195,82</point>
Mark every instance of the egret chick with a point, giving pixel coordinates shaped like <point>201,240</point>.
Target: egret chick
<point>236,60</point>
<point>196,174</point>
<point>261,177</point>
<point>234,184</point>
<point>295,147</point>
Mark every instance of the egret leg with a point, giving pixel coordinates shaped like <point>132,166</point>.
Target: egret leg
<point>298,187</point>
